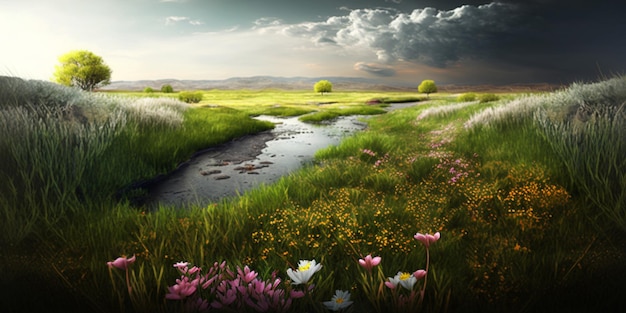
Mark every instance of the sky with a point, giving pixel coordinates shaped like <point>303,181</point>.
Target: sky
<point>392,41</point>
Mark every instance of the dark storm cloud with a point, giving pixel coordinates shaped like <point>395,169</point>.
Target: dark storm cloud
<point>375,69</point>
<point>429,36</point>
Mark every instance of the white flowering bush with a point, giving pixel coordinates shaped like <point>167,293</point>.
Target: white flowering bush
<point>158,111</point>
<point>444,110</point>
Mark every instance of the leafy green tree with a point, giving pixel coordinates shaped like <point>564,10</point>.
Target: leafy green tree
<point>148,90</point>
<point>427,86</point>
<point>323,86</point>
<point>83,69</point>
<point>167,88</point>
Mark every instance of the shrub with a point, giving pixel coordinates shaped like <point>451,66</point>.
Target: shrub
<point>488,97</point>
<point>167,88</point>
<point>466,97</point>
<point>190,96</point>
<point>148,90</point>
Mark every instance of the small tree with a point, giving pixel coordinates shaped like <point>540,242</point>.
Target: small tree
<point>83,69</point>
<point>148,90</point>
<point>323,86</point>
<point>427,86</point>
<point>167,88</point>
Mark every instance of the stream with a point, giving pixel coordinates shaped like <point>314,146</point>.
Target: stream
<point>231,169</point>
<point>235,167</point>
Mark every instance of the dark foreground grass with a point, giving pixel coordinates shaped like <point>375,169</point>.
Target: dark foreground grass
<point>516,234</point>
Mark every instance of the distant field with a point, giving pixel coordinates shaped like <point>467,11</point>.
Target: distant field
<point>283,97</point>
<point>314,101</point>
<point>340,84</point>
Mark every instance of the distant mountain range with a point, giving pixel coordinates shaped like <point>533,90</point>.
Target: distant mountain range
<point>306,83</point>
<point>257,82</point>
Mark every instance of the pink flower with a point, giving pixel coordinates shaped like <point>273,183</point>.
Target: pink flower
<point>368,262</point>
<point>224,297</point>
<point>419,274</point>
<point>121,263</point>
<point>369,152</point>
<point>427,239</point>
<point>182,267</point>
<point>246,274</point>
<point>296,294</point>
<point>390,285</point>
<point>201,305</point>
<point>183,289</point>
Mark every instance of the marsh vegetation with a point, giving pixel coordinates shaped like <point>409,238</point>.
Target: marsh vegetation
<point>528,192</point>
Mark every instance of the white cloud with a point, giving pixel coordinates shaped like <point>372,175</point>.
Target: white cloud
<point>175,19</point>
<point>171,20</point>
<point>267,22</point>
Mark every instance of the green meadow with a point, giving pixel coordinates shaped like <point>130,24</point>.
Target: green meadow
<point>527,192</point>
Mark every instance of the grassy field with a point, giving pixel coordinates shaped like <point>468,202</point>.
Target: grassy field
<point>526,192</point>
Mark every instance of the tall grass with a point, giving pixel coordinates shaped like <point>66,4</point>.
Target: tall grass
<point>589,134</point>
<point>584,126</point>
<point>519,109</point>
<point>63,147</point>
<point>51,138</point>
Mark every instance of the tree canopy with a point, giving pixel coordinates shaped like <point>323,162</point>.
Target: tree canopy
<point>83,69</point>
<point>323,86</point>
<point>167,88</point>
<point>427,86</point>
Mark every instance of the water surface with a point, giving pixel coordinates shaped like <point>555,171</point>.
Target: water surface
<point>233,168</point>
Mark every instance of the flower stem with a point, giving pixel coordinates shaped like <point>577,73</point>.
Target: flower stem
<point>130,289</point>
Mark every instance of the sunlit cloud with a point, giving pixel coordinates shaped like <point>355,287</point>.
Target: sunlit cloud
<point>375,69</point>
